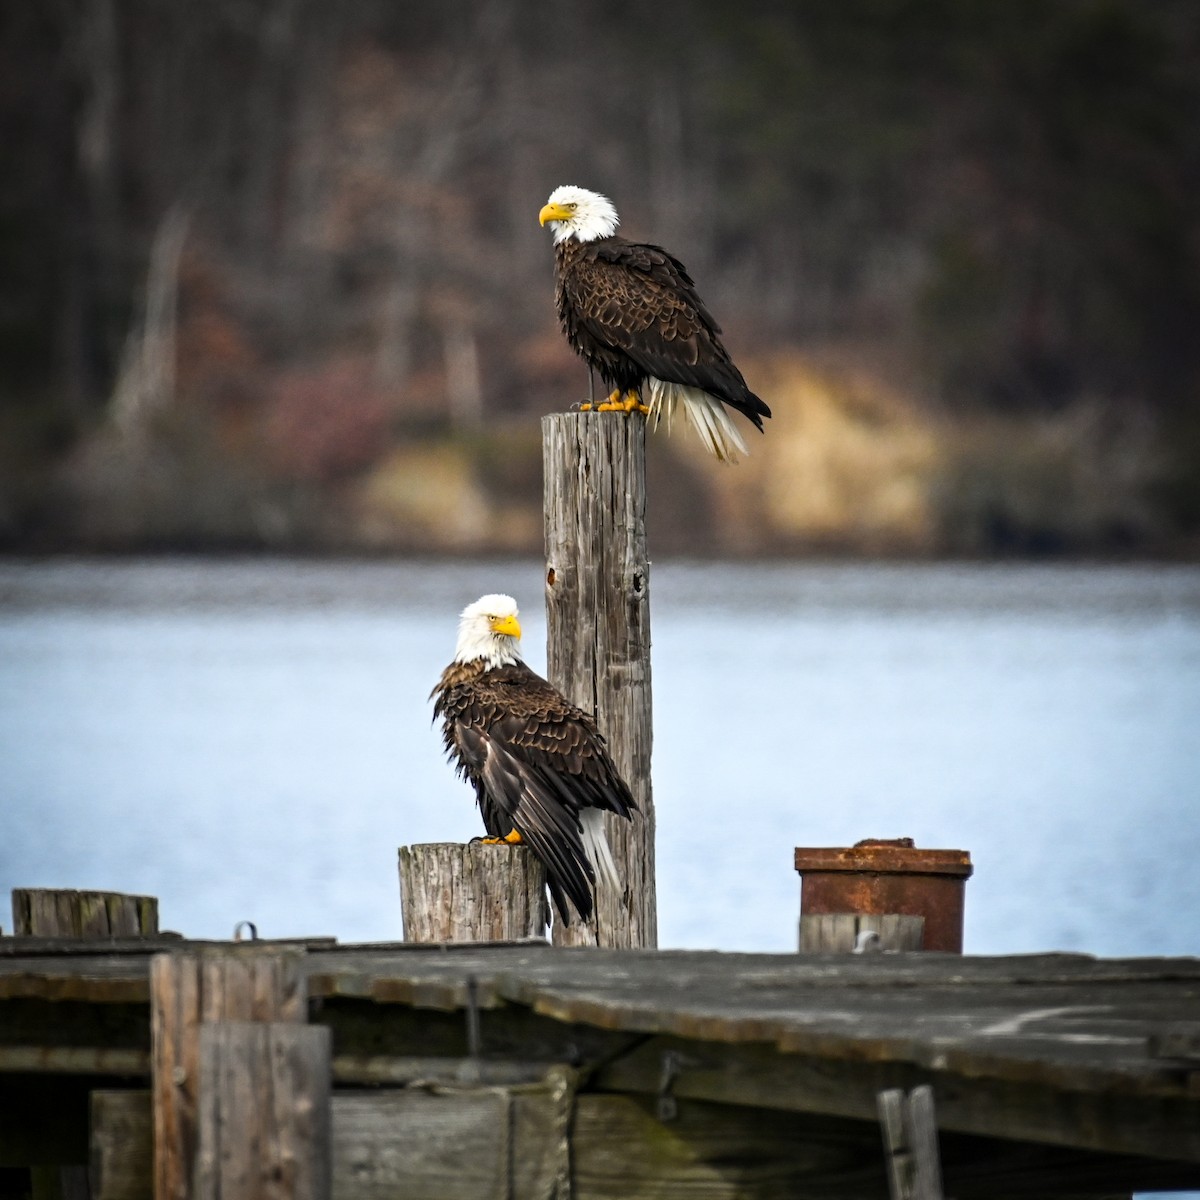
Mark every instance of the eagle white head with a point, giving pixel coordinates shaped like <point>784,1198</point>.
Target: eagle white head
<point>489,629</point>
<point>574,212</point>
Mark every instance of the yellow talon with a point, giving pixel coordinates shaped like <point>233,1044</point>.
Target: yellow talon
<point>624,402</point>
<point>510,839</point>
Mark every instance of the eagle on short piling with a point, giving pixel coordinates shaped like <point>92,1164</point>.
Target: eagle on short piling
<point>539,767</point>
<point>632,312</point>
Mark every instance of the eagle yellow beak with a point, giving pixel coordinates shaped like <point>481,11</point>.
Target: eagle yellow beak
<point>553,212</point>
<point>509,626</point>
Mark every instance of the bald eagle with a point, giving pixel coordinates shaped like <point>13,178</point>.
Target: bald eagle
<point>632,312</point>
<point>538,765</point>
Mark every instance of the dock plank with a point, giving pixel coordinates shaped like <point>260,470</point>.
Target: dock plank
<point>1065,1038</point>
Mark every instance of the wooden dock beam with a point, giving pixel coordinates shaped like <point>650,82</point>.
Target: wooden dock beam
<point>598,636</point>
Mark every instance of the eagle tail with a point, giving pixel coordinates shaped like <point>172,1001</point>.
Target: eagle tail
<point>595,846</point>
<point>711,418</point>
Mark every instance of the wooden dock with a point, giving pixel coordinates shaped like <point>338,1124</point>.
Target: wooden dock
<point>526,1070</point>
<point>135,1064</point>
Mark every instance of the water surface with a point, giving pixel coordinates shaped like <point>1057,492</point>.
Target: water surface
<point>251,740</point>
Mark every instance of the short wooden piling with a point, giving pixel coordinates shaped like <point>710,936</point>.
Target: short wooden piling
<point>187,991</point>
<point>598,636</point>
<point>451,892</point>
<point>263,1124</point>
<point>67,913</point>
<point>62,912</point>
<point>838,933</point>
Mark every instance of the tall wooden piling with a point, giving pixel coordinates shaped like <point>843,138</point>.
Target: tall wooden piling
<point>450,892</point>
<point>598,636</point>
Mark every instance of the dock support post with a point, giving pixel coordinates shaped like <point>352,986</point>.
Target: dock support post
<point>450,892</point>
<point>188,990</point>
<point>598,636</point>
<point>263,1126</point>
<point>66,913</point>
<point>910,1143</point>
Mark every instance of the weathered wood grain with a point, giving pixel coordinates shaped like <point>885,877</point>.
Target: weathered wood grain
<point>28,947</point>
<point>234,983</point>
<point>1042,1048</point>
<point>455,892</point>
<point>469,1143</point>
<point>598,636</point>
<point>712,1152</point>
<point>440,1142</point>
<point>910,1143</point>
<point>837,933</point>
<point>122,1145</point>
<point>1180,1040</point>
<point>59,912</point>
<point>923,1137</point>
<point>1029,1112</point>
<point>263,1122</point>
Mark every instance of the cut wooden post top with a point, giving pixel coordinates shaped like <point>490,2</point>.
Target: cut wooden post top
<point>65,912</point>
<point>471,892</point>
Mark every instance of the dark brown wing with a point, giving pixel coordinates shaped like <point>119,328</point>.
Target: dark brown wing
<point>641,300</point>
<point>535,760</point>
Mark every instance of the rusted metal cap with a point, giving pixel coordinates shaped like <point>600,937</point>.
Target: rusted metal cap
<point>882,875</point>
<point>885,856</point>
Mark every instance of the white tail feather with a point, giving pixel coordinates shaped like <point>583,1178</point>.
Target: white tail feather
<point>711,418</point>
<point>595,846</point>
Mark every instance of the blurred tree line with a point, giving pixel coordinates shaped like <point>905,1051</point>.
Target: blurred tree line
<point>258,246</point>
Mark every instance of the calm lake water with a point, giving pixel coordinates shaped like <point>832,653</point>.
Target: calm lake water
<point>252,740</point>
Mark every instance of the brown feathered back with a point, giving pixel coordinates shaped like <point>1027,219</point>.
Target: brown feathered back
<point>632,311</point>
<point>535,761</point>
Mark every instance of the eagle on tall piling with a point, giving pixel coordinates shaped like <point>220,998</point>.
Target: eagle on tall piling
<point>632,312</point>
<point>539,767</point>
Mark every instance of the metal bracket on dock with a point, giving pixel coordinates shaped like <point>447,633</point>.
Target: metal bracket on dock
<point>666,1105</point>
